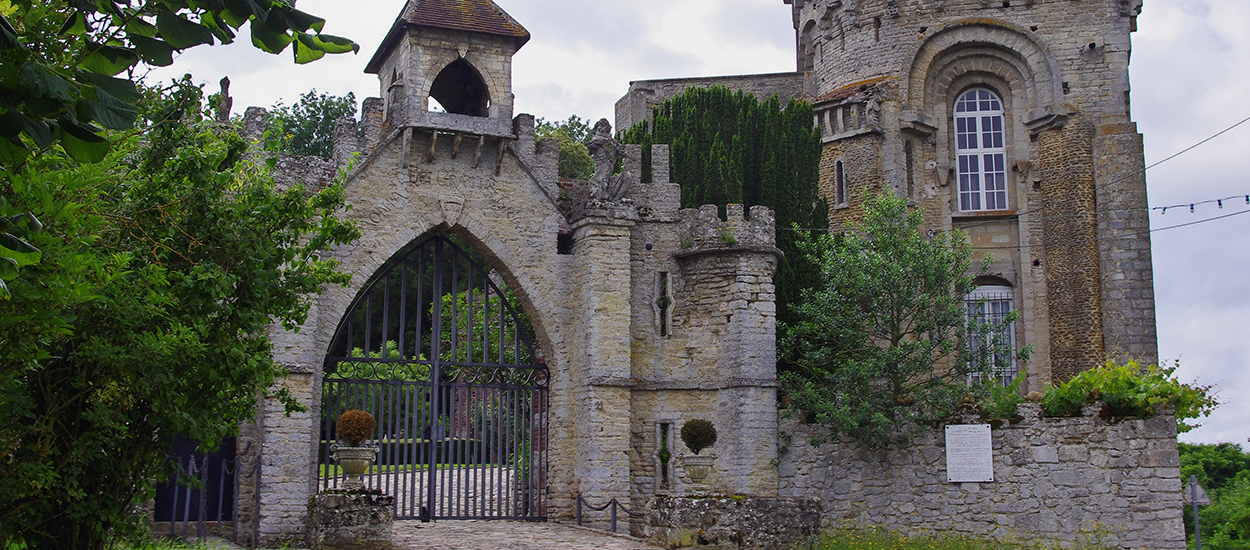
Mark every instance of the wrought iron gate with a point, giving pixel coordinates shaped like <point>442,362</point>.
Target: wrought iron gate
<point>444,359</point>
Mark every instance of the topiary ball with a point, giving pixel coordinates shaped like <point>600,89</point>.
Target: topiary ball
<point>698,435</point>
<point>355,426</point>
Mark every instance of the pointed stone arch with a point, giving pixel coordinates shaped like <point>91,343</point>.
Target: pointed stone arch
<point>461,89</point>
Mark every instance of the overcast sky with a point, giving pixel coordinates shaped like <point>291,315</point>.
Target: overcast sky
<point>1190,76</point>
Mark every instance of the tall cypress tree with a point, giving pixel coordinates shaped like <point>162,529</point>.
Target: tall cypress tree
<point>728,146</point>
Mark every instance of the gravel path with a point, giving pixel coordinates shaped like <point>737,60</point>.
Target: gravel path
<point>507,535</point>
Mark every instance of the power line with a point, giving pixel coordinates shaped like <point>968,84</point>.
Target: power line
<point>1191,205</point>
<point>1200,221</point>
<point>1136,172</point>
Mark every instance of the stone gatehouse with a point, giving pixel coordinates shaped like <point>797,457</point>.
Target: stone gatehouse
<point>644,316</point>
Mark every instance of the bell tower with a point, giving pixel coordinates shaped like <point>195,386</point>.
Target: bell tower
<point>447,65</point>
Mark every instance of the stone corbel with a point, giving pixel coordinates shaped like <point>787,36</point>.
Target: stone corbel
<point>477,153</point>
<point>918,122</point>
<point>405,156</point>
<point>1050,117</point>
<point>429,155</point>
<point>455,145</point>
<point>941,171</point>
<point>503,146</point>
<point>1024,168</point>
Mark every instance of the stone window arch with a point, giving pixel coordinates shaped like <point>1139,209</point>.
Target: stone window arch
<point>979,128</point>
<point>460,89</point>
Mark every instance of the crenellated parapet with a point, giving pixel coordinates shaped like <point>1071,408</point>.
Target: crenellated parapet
<point>703,230</point>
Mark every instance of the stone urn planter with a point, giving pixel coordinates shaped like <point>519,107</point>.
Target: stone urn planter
<point>355,463</point>
<point>698,434</point>
<point>697,467</point>
<point>354,427</point>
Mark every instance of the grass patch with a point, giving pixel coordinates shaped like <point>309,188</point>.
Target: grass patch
<point>882,539</point>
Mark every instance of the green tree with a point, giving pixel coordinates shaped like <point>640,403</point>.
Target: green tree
<point>162,268</point>
<point>880,344</point>
<point>59,60</point>
<point>729,146</point>
<point>1223,470</point>
<point>572,135</point>
<point>1215,464</point>
<point>307,128</point>
<point>1226,522</point>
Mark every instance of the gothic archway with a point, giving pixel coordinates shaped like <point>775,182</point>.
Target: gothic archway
<point>437,349</point>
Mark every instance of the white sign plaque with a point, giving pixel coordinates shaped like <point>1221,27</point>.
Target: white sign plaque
<point>969,453</point>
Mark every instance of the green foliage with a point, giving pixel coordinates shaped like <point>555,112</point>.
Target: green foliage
<point>1130,391</point>
<point>162,268</point>
<point>1226,522</point>
<point>996,401</point>
<point>698,434</point>
<point>728,146</point>
<point>59,61</point>
<point>1215,464</point>
<point>307,128</point>
<point>1223,470</point>
<point>880,342</point>
<point>572,136</point>
<point>882,539</point>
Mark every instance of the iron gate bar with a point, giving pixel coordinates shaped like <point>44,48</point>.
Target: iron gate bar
<point>466,438</point>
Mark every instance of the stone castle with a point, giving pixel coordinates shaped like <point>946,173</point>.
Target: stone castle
<point>645,315</point>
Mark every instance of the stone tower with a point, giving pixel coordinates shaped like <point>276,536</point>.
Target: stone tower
<point>1010,120</point>
<point>456,53</point>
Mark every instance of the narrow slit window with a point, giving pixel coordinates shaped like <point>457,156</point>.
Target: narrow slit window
<point>839,184</point>
<point>664,303</point>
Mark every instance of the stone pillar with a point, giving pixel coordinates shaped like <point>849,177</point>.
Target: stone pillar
<point>287,464</point>
<point>601,369</point>
<point>1070,248</point>
<point>1128,314</point>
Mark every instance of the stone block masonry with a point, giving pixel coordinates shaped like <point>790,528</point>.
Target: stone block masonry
<point>1076,481</point>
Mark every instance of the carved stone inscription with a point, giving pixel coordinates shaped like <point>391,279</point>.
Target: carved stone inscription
<point>969,453</point>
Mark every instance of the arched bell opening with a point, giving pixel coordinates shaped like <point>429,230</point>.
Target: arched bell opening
<point>459,89</point>
<point>438,350</point>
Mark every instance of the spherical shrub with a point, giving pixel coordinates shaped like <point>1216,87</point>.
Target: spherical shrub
<point>355,426</point>
<point>698,435</point>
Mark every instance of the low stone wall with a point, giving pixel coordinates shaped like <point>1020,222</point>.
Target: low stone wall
<point>731,522</point>
<point>1073,480</point>
<point>351,521</point>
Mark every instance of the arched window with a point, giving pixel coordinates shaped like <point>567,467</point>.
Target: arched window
<point>459,89</point>
<point>981,148</point>
<point>991,336</point>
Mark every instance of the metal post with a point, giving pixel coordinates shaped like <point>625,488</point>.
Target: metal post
<point>614,503</point>
<point>1193,505</point>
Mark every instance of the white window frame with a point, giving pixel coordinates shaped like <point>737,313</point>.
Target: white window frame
<point>980,151</point>
<point>995,303</point>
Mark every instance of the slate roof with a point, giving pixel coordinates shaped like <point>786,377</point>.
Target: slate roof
<point>465,15</point>
<point>482,16</point>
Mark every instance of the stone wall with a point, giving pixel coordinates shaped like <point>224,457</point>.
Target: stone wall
<point>1074,480</point>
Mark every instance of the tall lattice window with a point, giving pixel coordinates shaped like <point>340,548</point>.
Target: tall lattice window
<point>981,149</point>
<point>991,336</point>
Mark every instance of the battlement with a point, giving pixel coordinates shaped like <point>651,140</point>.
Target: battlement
<point>703,230</point>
